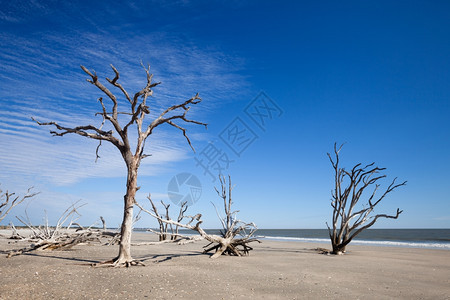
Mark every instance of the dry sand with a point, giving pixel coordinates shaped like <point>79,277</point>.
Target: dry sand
<point>274,270</point>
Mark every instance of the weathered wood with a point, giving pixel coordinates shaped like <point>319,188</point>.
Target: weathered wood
<point>103,222</point>
<point>15,235</point>
<point>61,236</point>
<point>164,233</point>
<point>62,242</point>
<point>228,243</point>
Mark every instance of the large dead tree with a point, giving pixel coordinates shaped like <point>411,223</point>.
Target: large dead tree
<point>349,219</point>
<point>119,137</point>
<point>9,200</point>
<point>234,236</point>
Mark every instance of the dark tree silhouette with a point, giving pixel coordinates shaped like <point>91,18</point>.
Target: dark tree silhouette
<point>349,219</point>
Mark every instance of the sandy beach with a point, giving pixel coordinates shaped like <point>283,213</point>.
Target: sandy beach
<point>274,270</point>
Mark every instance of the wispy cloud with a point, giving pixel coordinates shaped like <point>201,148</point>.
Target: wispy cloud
<point>40,77</point>
<point>20,11</point>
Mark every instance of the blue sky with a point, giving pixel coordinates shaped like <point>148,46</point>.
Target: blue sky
<point>374,75</point>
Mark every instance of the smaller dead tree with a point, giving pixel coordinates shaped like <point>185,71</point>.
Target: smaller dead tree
<point>349,220</point>
<point>181,216</point>
<point>103,223</point>
<point>164,227</point>
<point>9,200</point>
<point>235,235</point>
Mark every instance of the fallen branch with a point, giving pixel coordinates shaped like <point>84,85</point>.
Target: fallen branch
<point>63,242</point>
<point>180,241</point>
<point>15,235</point>
<point>62,236</point>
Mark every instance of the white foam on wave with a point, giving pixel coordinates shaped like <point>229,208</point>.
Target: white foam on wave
<point>404,244</point>
<point>292,239</point>
<point>445,246</point>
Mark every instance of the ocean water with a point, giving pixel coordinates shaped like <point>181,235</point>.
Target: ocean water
<point>415,238</point>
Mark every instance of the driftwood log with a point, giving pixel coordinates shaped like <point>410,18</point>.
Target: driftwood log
<point>62,242</point>
<point>61,236</point>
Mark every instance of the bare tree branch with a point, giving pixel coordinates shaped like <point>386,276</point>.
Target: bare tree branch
<point>9,200</point>
<point>163,119</point>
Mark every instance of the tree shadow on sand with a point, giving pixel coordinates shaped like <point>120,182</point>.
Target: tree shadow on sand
<point>157,258</point>
<point>160,258</point>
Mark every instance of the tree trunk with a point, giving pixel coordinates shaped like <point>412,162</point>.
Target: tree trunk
<point>339,249</point>
<point>124,257</point>
<point>126,228</point>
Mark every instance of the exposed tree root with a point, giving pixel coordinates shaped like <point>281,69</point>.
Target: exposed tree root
<point>118,263</point>
<point>231,248</point>
<point>322,251</point>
